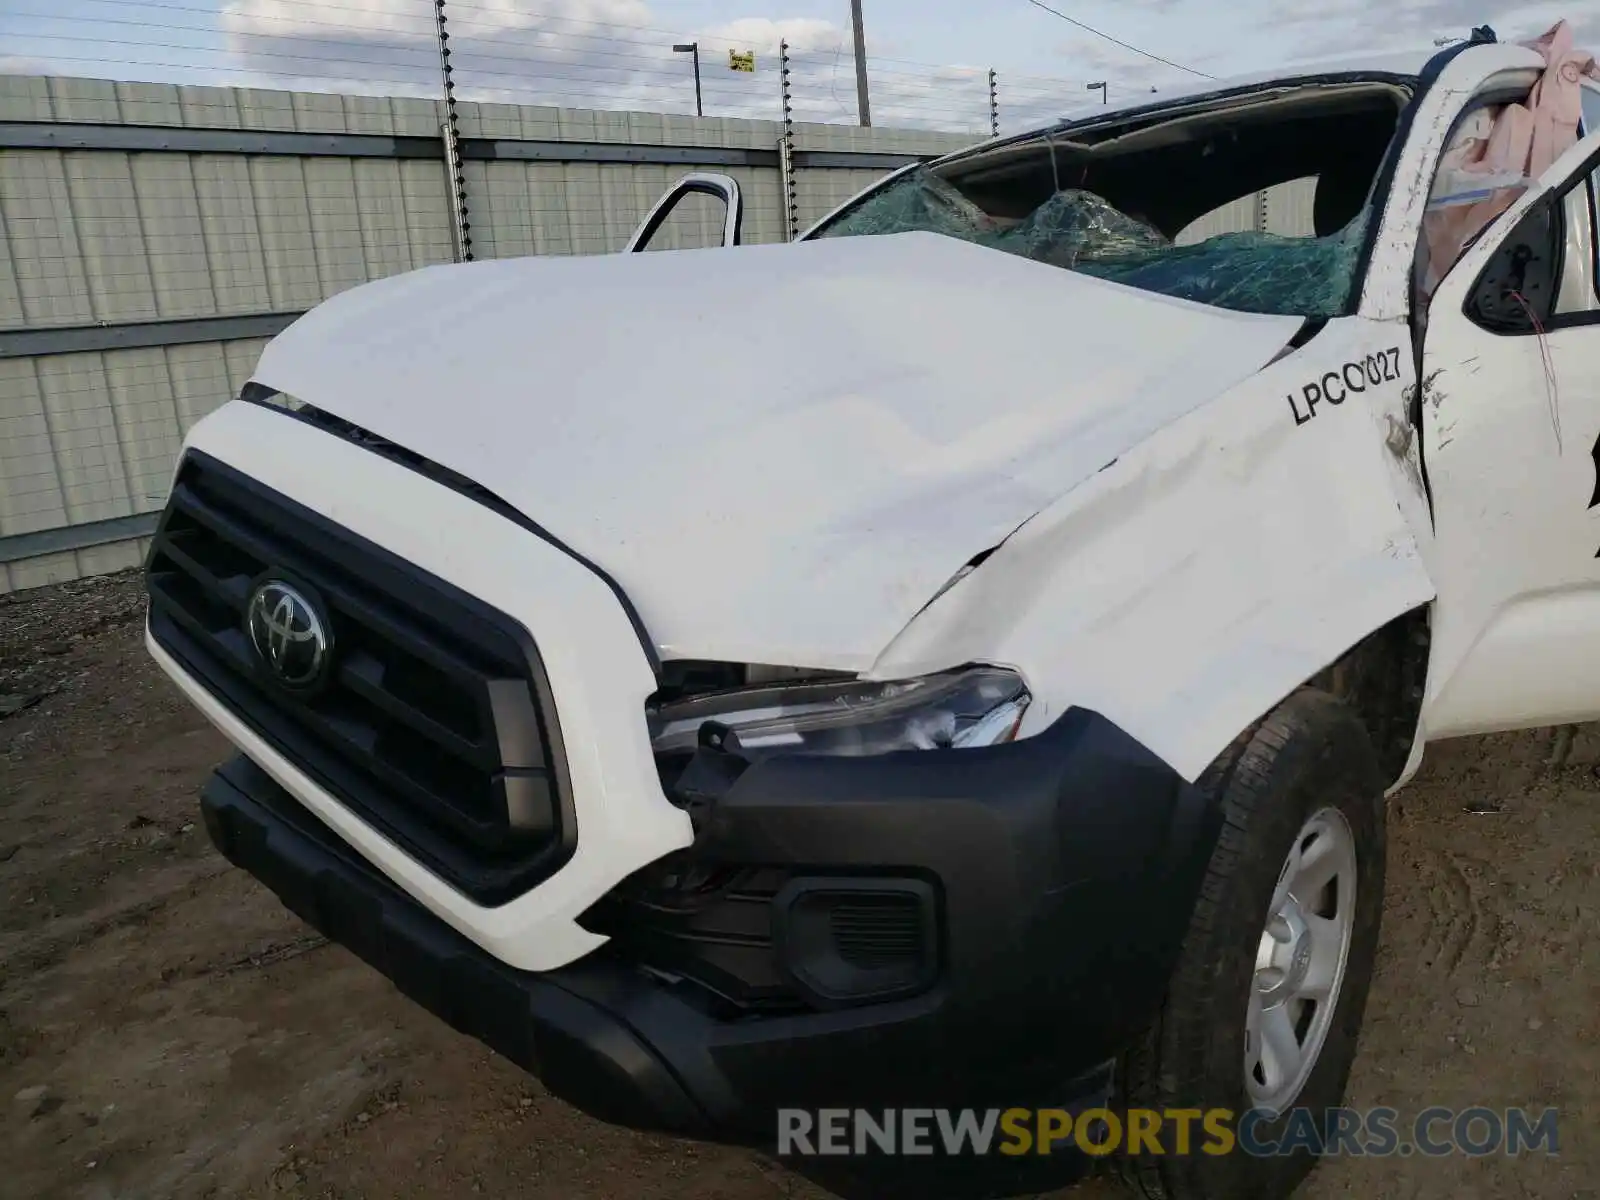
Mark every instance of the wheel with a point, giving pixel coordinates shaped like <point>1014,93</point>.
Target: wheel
<point>1265,1005</point>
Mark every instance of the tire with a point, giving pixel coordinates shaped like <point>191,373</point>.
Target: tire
<point>1310,756</point>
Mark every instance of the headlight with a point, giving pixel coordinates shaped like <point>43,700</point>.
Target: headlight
<point>979,706</point>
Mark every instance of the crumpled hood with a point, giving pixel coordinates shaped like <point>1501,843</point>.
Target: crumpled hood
<point>780,453</point>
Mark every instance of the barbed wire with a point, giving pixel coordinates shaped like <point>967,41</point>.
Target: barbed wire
<point>524,57</point>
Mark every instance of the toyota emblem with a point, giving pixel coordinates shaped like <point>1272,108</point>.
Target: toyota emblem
<point>289,634</point>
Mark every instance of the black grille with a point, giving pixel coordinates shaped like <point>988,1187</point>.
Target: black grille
<point>875,932</point>
<point>711,927</point>
<point>757,941</point>
<point>435,725</point>
<point>852,941</point>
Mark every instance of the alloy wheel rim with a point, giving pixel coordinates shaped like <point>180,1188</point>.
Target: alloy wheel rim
<point>1300,961</point>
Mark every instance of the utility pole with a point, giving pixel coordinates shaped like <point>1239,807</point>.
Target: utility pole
<point>861,63</point>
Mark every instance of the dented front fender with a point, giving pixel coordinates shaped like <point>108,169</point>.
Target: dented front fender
<point>1194,582</point>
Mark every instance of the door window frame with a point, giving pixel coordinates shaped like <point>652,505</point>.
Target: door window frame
<point>700,183</point>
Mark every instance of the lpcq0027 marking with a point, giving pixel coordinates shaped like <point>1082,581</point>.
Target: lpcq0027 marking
<point>1351,379</point>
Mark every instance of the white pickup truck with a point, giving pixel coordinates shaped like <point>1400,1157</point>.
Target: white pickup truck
<point>991,706</point>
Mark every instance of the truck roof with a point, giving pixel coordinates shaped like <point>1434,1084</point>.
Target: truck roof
<point>1399,65</point>
<point>1407,63</point>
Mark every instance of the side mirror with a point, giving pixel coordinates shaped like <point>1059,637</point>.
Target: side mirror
<point>1516,291</point>
<point>723,187</point>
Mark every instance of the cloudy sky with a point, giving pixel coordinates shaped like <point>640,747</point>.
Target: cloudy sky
<point>930,59</point>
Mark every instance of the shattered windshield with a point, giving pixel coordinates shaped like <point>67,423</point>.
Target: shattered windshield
<point>1080,231</point>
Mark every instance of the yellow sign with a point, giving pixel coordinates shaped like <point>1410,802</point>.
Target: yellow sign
<point>742,60</point>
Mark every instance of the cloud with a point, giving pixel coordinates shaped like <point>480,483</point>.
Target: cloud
<point>18,64</point>
<point>1261,34</point>
<point>762,34</point>
<point>611,54</point>
<point>1264,35</point>
<point>588,53</point>
<point>618,54</point>
<point>1338,27</point>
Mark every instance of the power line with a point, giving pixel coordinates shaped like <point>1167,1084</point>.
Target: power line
<point>1117,41</point>
<point>300,43</point>
<point>468,70</point>
<point>539,22</point>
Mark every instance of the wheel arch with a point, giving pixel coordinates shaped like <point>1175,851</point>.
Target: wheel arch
<point>1383,677</point>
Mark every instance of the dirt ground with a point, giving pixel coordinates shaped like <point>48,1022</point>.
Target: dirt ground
<point>167,1030</point>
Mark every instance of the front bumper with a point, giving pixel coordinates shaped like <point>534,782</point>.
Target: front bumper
<point>1064,867</point>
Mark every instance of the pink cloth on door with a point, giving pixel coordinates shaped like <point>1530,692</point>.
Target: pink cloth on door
<point>1521,140</point>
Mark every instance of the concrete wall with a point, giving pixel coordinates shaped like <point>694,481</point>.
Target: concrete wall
<point>1285,209</point>
<point>154,236</point>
